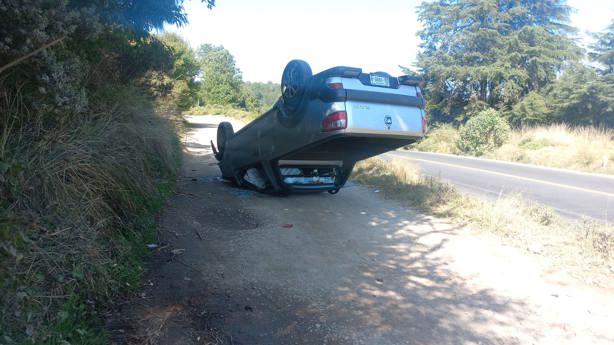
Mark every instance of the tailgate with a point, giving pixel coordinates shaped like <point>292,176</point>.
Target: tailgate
<point>384,118</point>
<point>377,103</point>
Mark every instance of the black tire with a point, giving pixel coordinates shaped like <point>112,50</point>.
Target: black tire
<point>333,191</point>
<point>224,133</point>
<point>294,84</point>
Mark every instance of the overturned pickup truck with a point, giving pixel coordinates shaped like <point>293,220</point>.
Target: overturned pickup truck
<point>320,127</point>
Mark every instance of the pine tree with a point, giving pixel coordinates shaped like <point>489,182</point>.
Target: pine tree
<point>603,50</point>
<point>488,53</point>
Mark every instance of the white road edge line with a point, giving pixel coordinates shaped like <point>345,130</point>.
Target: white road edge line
<point>586,190</point>
<point>495,161</point>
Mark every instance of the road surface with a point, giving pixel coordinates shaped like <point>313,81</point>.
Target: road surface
<point>237,267</point>
<point>572,194</point>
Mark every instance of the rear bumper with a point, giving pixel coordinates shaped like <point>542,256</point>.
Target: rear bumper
<point>312,187</point>
<point>382,133</point>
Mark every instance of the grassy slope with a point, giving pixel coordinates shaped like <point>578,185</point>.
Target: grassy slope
<point>559,146</point>
<point>78,205</point>
<point>582,245</point>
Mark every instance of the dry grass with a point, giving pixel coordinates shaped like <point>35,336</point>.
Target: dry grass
<point>580,244</point>
<point>439,139</point>
<point>76,194</point>
<point>583,148</point>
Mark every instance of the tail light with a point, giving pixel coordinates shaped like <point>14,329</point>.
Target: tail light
<point>335,121</point>
<point>424,127</point>
<point>335,86</point>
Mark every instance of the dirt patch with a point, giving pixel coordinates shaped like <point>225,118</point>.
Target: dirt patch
<point>169,309</point>
<point>352,268</point>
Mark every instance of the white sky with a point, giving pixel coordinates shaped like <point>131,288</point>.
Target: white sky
<point>375,35</point>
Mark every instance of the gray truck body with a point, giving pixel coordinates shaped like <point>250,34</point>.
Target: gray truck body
<point>305,153</point>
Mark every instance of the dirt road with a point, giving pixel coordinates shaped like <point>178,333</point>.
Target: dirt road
<point>237,267</point>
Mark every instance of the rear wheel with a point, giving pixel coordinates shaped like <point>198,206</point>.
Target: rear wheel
<point>224,133</point>
<point>294,82</point>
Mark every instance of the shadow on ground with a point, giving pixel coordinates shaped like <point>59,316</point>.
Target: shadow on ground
<point>237,267</point>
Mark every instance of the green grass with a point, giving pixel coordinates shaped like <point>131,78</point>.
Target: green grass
<point>74,323</point>
<point>79,197</point>
<point>78,320</point>
<point>582,245</point>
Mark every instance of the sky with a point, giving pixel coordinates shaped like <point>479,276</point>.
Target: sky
<point>375,35</point>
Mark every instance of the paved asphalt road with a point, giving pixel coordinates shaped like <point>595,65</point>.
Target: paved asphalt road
<point>573,194</point>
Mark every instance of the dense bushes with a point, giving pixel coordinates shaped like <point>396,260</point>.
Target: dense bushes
<point>482,133</point>
<point>85,159</point>
<point>75,196</point>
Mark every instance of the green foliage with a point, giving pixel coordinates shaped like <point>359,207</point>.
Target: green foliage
<point>73,204</point>
<point>221,79</point>
<point>73,325</point>
<point>603,49</point>
<point>266,94</point>
<point>484,132</point>
<point>247,100</point>
<point>490,53</point>
<point>582,97</point>
<point>143,15</point>
<point>185,64</point>
<point>533,109</point>
<point>83,153</point>
<point>184,71</point>
<point>222,84</point>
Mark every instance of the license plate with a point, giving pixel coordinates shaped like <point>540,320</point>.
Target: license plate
<point>379,80</point>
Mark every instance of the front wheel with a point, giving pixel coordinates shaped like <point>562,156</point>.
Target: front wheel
<point>224,133</point>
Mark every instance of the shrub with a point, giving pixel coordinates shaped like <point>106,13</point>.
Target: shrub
<point>483,133</point>
<point>440,139</point>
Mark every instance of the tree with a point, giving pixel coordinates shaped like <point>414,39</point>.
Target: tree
<point>582,97</point>
<point>533,109</point>
<point>488,53</point>
<point>603,50</point>
<point>143,15</point>
<point>221,79</point>
<point>266,94</point>
<point>184,71</point>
